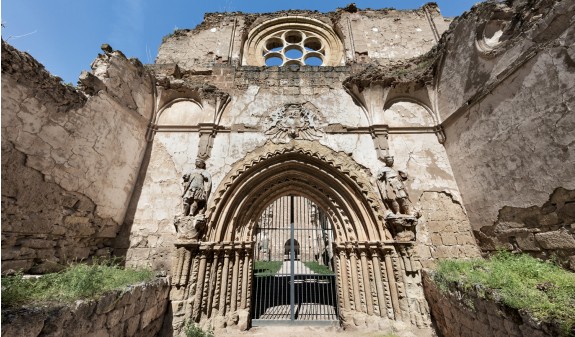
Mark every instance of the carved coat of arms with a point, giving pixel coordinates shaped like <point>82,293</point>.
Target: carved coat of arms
<point>294,120</point>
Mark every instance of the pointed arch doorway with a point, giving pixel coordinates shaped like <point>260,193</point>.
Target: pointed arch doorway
<point>293,269</point>
<point>213,280</point>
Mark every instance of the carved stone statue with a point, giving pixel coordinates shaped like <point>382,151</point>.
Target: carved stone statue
<point>197,187</point>
<point>392,189</point>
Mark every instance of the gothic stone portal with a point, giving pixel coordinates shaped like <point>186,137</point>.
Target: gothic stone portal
<point>374,272</point>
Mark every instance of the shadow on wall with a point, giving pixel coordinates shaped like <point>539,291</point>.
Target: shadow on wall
<point>122,242</point>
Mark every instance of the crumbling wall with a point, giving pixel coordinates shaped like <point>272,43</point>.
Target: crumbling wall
<point>389,35</point>
<point>463,312</point>
<point>69,158</point>
<point>136,311</point>
<point>211,43</point>
<point>384,36</point>
<point>545,231</point>
<point>508,118</point>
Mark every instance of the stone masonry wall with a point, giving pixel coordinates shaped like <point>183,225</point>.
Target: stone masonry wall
<point>70,157</point>
<point>508,118</point>
<point>136,311</point>
<point>463,313</point>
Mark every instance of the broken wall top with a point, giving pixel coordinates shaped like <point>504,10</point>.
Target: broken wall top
<point>349,36</point>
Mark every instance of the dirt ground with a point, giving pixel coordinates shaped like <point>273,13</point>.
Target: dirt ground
<point>304,331</point>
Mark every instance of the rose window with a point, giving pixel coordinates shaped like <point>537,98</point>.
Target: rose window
<point>293,41</point>
<point>293,47</point>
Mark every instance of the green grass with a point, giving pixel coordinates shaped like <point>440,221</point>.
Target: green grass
<point>520,281</point>
<point>267,268</point>
<point>79,281</point>
<point>318,268</point>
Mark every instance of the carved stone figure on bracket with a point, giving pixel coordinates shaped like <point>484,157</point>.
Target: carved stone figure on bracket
<point>197,184</point>
<point>392,189</point>
<point>400,218</point>
<point>197,188</point>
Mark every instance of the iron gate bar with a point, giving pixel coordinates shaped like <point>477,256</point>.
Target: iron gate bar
<point>294,293</point>
<point>292,261</point>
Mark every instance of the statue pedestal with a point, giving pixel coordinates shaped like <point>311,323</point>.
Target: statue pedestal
<point>402,226</point>
<point>189,228</point>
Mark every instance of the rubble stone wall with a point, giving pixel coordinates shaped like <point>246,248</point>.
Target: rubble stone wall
<point>508,118</point>
<point>136,311</point>
<point>463,313</point>
<point>70,158</point>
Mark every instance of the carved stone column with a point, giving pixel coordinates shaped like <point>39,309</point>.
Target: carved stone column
<point>366,283</point>
<point>392,283</point>
<point>235,278</point>
<point>344,282</point>
<point>355,279</point>
<point>243,303</point>
<point>379,283</point>
<point>224,284</point>
<point>199,288</point>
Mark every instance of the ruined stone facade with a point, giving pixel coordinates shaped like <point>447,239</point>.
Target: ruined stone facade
<point>476,113</point>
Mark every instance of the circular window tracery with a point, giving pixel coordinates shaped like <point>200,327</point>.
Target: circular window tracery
<point>293,41</point>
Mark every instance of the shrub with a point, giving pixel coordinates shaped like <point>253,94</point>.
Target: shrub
<point>192,330</point>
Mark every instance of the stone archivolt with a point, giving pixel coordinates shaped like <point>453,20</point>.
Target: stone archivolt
<point>347,178</point>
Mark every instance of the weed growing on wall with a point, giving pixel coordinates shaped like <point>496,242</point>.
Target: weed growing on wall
<point>519,281</point>
<point>80,281</point>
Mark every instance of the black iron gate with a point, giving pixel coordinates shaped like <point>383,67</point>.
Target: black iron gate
<point>294,279</point>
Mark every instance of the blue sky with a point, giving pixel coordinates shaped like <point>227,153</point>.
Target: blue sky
<point>65,35</point>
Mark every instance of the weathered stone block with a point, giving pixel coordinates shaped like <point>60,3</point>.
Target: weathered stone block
<point>449,239</point>
<point>114,317</point>
<point>561,239</point>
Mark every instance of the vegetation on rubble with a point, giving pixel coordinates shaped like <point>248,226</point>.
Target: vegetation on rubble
<point>80,281</point>
<point>192,330</point>
<point>542,289</point>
